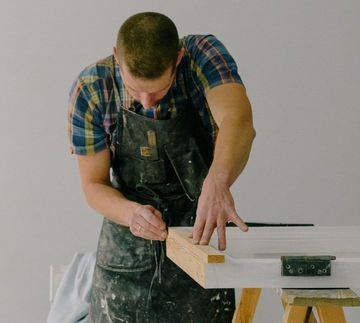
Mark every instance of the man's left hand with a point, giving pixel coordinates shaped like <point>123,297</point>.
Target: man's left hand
<point>215,208</point>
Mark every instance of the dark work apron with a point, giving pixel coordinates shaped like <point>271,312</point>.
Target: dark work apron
<point>162,163</point>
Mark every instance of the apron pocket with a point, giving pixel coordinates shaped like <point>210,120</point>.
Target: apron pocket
<point>119,250</point>
<point>148,171</point>
<point>190,169</point>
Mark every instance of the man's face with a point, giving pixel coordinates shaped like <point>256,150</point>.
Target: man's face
<point>147,92</point>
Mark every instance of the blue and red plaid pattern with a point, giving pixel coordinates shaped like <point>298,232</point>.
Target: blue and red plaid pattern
<point>98,92</point>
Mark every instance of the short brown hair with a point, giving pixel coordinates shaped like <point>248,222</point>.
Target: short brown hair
<point>148,43</point>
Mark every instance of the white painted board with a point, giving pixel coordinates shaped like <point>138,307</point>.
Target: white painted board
<point>252,259</point>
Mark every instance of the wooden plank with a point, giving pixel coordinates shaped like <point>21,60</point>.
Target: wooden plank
<point>331,314</point>
<point>312,318</point>
<point>252,259</point>
<point>189,257</point>
<point>295,314</point>
<point>189,263</point>
<point>323,297</point>
<point>310,312</point>
<point>245,311</point>
<point>206,253</point>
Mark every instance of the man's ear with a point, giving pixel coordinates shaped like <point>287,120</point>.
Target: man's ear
<point>115,55</point>
<point>180,55</point>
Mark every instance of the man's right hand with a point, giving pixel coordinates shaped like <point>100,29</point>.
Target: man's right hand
<point>146,222</point>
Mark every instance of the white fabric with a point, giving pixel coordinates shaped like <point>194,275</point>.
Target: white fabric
<point>72,299</point>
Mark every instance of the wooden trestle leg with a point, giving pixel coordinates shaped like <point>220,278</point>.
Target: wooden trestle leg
<point>245,311</point>
<point>331,314</point>
<point>299,303</point>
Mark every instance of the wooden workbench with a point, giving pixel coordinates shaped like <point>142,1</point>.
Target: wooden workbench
<point>252,262</point>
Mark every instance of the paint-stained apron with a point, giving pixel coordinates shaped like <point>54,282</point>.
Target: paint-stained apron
<point>162,163</point>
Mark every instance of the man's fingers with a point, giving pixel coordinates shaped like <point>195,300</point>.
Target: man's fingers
<point>160,234</point>
<point>221,232</point>
<point>153,216</point>
<point>144,229</point>
<point>239,222</point>
<point>149,235</point>
<point>148,223</point>
<point>206,235</point>
<point>197,232</point>
<point>158,215</point>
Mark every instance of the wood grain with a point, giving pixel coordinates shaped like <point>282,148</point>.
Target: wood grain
<point>322,297</point>
<point>246,308</point>
<point>206,253</point>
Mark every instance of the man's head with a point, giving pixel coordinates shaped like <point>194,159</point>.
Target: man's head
<point>147,51</point>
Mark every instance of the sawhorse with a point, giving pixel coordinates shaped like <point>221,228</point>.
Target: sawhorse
<point>299,303</point>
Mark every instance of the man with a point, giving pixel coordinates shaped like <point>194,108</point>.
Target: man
<point>151,112</point>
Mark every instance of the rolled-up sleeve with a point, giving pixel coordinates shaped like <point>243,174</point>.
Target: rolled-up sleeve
<point>211,63</point>
<point>85,126</point>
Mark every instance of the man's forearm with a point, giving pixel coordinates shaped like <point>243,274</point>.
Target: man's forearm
<point>232,149</point>
<point>109,202</point>
<point>216,204</point>
<point>144,221</point>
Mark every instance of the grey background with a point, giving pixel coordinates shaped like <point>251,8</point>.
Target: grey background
<point>300,63</point>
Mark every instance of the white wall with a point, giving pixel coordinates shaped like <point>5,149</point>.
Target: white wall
<point>300,63</point>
